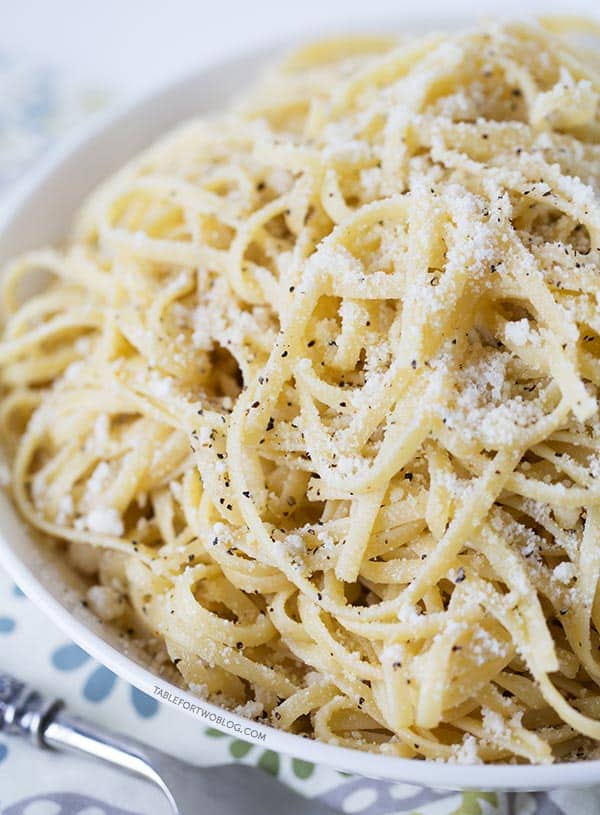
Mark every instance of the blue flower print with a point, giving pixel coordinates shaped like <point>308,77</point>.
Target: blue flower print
<point>101,682</point>
<point>69,657</point>
<point>7,625</point>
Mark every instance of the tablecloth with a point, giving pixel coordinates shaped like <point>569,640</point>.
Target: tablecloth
<point>36,106</point>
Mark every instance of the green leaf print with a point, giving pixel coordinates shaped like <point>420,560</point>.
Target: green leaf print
<point>302,769</point>
<point>269,762</point>
<point>239,749</point>
<point>471,802</point>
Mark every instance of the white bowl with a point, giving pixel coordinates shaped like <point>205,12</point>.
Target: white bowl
<point>39,212</point>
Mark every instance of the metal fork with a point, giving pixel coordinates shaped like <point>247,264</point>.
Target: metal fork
<point>219,790</point>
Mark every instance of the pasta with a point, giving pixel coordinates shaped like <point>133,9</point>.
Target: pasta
<point>310,396</point>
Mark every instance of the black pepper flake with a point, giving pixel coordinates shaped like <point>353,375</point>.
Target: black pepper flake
<point>270,424</point>
<point>413,364</point>
<point>284,354</point>
<point>460,575</point>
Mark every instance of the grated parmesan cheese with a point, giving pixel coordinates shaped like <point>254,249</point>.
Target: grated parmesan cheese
<point>160,386</point>
<point>518,332</point>
<point>103,521</point>
<point>467,752</point>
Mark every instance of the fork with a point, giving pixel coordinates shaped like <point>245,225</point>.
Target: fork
<point>221,790</point>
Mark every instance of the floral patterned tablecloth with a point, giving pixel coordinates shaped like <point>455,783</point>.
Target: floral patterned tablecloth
<point>36,105</point>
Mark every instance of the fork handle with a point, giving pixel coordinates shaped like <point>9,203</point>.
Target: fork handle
<point>26,712</point>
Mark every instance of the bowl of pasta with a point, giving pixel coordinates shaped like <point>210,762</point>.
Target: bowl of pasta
<point>299,402</point>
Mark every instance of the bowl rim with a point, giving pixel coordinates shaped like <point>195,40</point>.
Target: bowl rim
<point>57,162</point>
